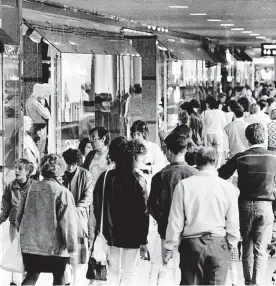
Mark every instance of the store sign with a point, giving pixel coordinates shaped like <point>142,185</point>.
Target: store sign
<point>268,50</point>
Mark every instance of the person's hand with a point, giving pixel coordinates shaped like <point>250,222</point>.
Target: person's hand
<point>168,256</point>
<point>143,251</point>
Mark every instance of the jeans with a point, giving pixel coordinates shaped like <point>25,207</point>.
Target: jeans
<point>256,223</point>
<point>32,277</point>
<point>204,260</point>
<point>122,265</point>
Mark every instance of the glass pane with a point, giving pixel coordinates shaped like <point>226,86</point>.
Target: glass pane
<point>12,110</point>
<point>77,102</point>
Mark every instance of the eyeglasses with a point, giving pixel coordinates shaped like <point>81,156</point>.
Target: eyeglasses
<point>94,138</point>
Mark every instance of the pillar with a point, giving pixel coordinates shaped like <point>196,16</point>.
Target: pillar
<point>146,47</point>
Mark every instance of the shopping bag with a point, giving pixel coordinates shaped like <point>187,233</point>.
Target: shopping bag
<point>96,270</point>
<point>13,260</point>
<point>100,249</point>
<point>165,276</point>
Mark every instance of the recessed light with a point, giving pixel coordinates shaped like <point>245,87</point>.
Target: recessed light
<point>198,14</point>
<point>254,34</point>
<point>261,37</point>
<point>171,40</point>
<point>227,25</point>
<point>247,32</point>
<point>178,7</point>
<point>237,29</point>
<point>213,20</point>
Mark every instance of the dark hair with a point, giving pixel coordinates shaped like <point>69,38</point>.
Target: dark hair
<point>195,103</point>
<point>273,114</point>
<point>176,142</point>
<point>270,100</point>
<point>211,102</point>
<point>116,150</point>
<point>256,83</point>
<point>72,156</point>
<point>182,129</point>
<point>140,126</point>
<point>132,151</point>
<point>52,166</point>
<point>238,111</point>
<point>262,103</point>
<point>232,104</point>
<point>187,106</point>
<point>265,91</point>
<point>247,87</point>
<point>82,144</point>
<point>244,102</point>
<point>253,108</point>
<point>29,166</point>
<point>255,133</point>
<point>221,95</point>
<point>183,117</point>
<point>102,132</point>
<point>206,155</point>
<point>137,88</point>
<point>237,89</point>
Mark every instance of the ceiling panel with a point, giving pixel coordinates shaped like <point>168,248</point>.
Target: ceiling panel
<point>255,15</point>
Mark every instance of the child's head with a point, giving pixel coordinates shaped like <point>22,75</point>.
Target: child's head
<point>23,168</point>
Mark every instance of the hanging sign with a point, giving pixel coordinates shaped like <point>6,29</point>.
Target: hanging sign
<point>268,50</point>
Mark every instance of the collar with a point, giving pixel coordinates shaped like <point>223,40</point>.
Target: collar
<point>178,163</point>
<point>239,119</point>
<point>208,173</point>
<point>15,184</point>
<point>256,146</point>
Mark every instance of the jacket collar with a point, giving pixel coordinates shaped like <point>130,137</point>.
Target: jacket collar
<point>256,146</point>
<point>208,173</point>
<point>15,184</point>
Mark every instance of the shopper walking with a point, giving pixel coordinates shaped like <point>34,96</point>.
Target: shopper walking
<point>125,217</point>
<point>48,224</point>
<point>79,182</point>
<point>205,234</point>
<point>256,169</point>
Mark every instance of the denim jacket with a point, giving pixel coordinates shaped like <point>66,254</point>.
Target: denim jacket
<point>11,199</point>
<point>48,220</point>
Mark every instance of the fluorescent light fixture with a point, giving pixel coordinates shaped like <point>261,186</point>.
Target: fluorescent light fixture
<point>178,7</point>
<point>254,35</point>
<point>166,30</point>
<point>227,25</point>
<point>261,37</point>
<point>213,20</point>
<point>171,40</point>
<point>198,14</point>
<point>247,32</point>
<point>237,29</point>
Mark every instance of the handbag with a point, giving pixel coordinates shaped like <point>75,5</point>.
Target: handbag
<point>97,265</point>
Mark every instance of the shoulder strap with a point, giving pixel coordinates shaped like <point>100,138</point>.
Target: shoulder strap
<point>101,225</point>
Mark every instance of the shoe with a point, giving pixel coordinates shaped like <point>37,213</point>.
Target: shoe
<point>13,283</point>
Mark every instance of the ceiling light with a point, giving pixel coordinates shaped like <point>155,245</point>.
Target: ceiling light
<point>178,7</point>
<point>261,37</point>
<point>158,29</point>
<point>227,25</point>
<point>213,20</point>
<point>247,32</point>
<point>153,28</point>
<point>198,14</point>
<point>166,30</point>
<point>149,26</point>
<point>254,34</point>
<point>171,40</point>
<point>237,29</point>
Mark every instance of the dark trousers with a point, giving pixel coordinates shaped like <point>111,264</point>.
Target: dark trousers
<point>204,260</point>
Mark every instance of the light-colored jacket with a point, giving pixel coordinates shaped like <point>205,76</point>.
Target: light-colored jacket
<point>36,110</point>
<point>48,220</point>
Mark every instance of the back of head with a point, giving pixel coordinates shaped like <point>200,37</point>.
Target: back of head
<point>212,103</point>
<point>132,151</point>
<point>238,111</point>
<point>137,88</point>
<point>270,100</point>
<point>206,156</point>
<point>187,106</point>
<point>262,103</point>
<point>102,132</point>
<point>255,133</point>
<point>183,117</point>
<point>176,142</point>
<point>116,150</point>
<point>72,156</point>
<point>195,103</point>
<point>52,166</point>
<point>254,108</point>
<point>232,104</point>
<point>244,102</point>
<point>140,126</point>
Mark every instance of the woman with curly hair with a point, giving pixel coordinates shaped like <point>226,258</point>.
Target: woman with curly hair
<point>125,217</point>
<point>48,223</point>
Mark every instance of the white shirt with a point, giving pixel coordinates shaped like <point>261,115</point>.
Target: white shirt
<point>203,203</point>
<point>214,121</point>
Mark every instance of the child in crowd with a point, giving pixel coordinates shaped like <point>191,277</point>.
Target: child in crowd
<point>12,195</point>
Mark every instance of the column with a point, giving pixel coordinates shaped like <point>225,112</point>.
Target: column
<point>146,47</point>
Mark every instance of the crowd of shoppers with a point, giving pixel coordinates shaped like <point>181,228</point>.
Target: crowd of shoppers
<point>213,188</point>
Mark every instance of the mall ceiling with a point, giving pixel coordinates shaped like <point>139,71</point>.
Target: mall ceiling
<point>257,18</point>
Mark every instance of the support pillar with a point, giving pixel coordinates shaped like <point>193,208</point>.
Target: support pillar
<point>146,47</point>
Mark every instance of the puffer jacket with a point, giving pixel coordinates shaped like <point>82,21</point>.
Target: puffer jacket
<point>48,225</point>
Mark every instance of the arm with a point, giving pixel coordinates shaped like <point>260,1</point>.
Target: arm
<point>21,208</point>
<point>87,192</point>
<point>154,201</point>
<point>67,220</point>
<point>176,219</point>
<point>228,169</point>
<point>6,204</point>
<point>232,223</point>
<point>41,110</point>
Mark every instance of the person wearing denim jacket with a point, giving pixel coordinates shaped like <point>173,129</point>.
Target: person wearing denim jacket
<point>48,223</point>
